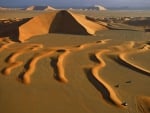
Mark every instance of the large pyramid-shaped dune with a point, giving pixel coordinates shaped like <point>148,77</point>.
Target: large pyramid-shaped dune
<point>64,22</point>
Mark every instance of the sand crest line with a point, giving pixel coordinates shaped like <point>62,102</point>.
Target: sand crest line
<point>95,72</point>
<point>12,59</point>
<point>8,43</point>
<point>61,58</point>
<point>32,65</point>
<point>60,62</point>
<point>123,58</point>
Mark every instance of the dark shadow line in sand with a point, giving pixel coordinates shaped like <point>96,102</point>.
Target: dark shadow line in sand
<point>121,62</point>
<point>93,58</point>
<point>8,57</point>
<point>100,87</point>
<point>53,64</point>
<point>113,28</point>
<point>26,67</point>
<point>12,29</point>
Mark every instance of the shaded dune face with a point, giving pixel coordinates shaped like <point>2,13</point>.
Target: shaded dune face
<point>58,22</point>
<point>64,22</point>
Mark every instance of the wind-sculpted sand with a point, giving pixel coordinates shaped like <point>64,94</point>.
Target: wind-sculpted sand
<point>61,54</point>
<point>124,58</point>
<point>26,77</point>
<point>63,59</point>
<point>110,93</point>
<point>64,22</point>
<point>5,43</point>
<point>60,62</point>
<point>12,59</point>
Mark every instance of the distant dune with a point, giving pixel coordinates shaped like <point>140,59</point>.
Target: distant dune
<point>58,22</point>
<point>5,8</point>
<point>45,8</point>
<point>97,8</point>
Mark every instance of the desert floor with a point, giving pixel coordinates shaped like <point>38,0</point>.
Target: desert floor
<point>64,73</point>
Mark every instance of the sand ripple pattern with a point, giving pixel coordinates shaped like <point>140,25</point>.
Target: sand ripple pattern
<point>13,57</point>
<point>120,52</point>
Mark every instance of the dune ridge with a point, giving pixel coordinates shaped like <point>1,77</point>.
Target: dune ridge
<point>60,66</point>
<point>69,50</point>
<point>12,59</point>
<point>64,22</point>
<point>95,72</point>
<point>60,60</point>
<point>123,57</point>
<point>5,43</point>
<point>26,77</point>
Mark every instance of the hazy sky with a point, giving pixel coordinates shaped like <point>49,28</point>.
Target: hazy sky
<point>107,3</point>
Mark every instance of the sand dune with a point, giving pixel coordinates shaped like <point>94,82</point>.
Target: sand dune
<point>98,8</point>
<point>12,59</point>
<point>112,97</point>
<point>5,43</point>
<point>26,77</point>
<point>58,22</point>
<point>30,8</point>
<point>10,27</point>
<point>102,73</point>
<point>123,57</point>
<point>60,66</point>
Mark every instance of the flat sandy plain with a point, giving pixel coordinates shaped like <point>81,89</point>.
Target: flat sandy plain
<point>65,73</point>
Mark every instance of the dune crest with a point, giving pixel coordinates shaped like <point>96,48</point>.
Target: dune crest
<point>26,77</point>
<point>5,43</point>
<point>123,57</point>
<point>12,59</point>
<point>113,98</point>
<point>60,66</point>
<point>58,22</point>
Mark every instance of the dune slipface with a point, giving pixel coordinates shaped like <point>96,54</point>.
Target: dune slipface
<point>58,22</point>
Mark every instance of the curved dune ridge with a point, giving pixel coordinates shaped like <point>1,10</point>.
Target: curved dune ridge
<point>113,98</point>
<point>5,43</point>
<point>143,104</point>
<point>12,59</point>
<point>26,78</point>
<point>64,22</point>
<point>60,62</point>
<point>40,52</point>
<point>123,57</point>
<point>60,66</point>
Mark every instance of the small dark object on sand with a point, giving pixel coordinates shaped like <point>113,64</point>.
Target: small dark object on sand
<point>128,81</point>
<point>124,103</point>
<point>147,30</point>
<point>117,85</point>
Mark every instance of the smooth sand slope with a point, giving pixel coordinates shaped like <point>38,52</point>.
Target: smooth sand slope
<point>58,22</point>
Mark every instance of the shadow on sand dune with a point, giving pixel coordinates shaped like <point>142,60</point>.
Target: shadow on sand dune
<point>11,29</point>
